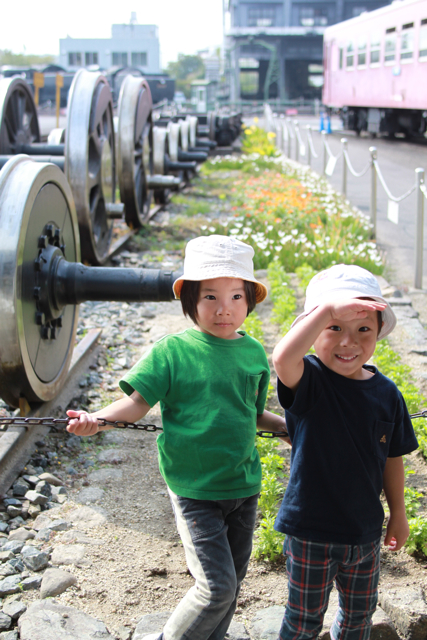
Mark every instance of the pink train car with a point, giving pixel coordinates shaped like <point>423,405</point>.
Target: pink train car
<point>375,69</point>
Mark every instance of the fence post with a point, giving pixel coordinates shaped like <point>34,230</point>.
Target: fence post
<point>308,145</point>
<point>373,203</point>
<point>344,168</point>
<point>288,121</point>
<point>325,152</point>
<point>419,178</point>
<point>296,140</point>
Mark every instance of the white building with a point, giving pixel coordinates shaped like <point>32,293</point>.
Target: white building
<point>130,45</point>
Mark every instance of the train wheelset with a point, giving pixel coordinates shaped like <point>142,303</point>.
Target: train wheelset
<point>43,280</point>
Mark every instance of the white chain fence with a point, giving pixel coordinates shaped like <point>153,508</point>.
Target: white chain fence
<point>289,139</point>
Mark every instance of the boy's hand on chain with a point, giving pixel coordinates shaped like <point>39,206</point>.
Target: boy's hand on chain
<point>82,423</point>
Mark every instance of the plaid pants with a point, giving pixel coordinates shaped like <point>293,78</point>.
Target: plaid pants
<point>312,568</point>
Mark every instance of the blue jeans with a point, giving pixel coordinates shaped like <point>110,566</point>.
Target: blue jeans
<point>312,568</point>
<point>217,539</point>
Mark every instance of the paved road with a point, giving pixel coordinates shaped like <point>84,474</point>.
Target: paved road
<point>398,160</point>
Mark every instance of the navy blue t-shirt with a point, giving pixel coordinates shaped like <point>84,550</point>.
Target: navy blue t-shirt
<point>342,432</point>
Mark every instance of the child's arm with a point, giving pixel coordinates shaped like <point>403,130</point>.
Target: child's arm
<point>272,422</point>
<point>289,352</point>
<point>129,408</point>
<point>393,485</point>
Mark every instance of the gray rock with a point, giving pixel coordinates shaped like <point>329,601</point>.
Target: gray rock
<point>14,511</point>
<point>237,631</point>
<point>88,517</point>
<point>48,620</point>
<point>55,582</point>
<point>3,527</point>
<point>407,609</point>
<point>6,555</point>
<point>10,585</point>
<point>33,582</point>
<point>44,535</point>
<point>113,437</point>
<point>31,479</point>
<point>151,623</point>
<point>104,475</point>
<point>91,494</point>
<point>20,487</point>
<point>79,537</point>
<point>51,479</point>
<point>36,498</point>
<point>21,534</point>
<point>68,554</point>
<point>34,559</point>
<point>17,564</point>
<point>41,522</point>
<point>265,625</point>
<point>5,621</point>
<point>9,635</point>
<point>12,502</point>
<point>56,491</point>
<point>13,545</point>
<point>59,525</point>
<point>113,456</point>
<point>14,609</point>
<point>44,488</point>
<point>7,569</point>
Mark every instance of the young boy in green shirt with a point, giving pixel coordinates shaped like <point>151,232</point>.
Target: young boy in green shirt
<point>211,382</point>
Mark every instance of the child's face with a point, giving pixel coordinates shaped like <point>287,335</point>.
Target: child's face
<point>345,346</point>
<point>222,307</point>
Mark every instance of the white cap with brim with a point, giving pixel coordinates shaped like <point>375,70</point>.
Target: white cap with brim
<point>342,282</point>
<point>215,256</point>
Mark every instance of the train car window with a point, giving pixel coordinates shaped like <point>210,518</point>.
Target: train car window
<point>423,39</point>
<point>407,42</point>
<point>361,52</point>
<point>349,56</point>
<point>341,58</point>
<point>390,45</point>
<point>375,48</point>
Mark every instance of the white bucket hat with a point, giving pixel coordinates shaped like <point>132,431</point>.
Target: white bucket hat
<point>215,256</point>
<point>346,281</point>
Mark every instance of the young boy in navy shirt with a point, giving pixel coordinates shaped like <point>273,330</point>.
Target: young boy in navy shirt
<point>349,428</point>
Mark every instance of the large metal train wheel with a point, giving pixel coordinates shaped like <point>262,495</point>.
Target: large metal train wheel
<point>90,161</point>
<point>134,149</point>
<point>37,217</point>
<point>18,115</point>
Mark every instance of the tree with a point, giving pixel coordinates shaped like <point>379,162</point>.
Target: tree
<point>184,71</point>
<point>23,60</point>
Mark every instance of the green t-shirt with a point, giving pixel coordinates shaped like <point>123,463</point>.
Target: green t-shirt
<point>210,392</point>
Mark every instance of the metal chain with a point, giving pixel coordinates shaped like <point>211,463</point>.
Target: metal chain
<point>53,422</point>
<point>119,424</point>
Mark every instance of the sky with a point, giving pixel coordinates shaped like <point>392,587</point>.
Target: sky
<point>185,26</point>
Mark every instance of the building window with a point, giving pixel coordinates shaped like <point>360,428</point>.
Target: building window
<point>340,57</point>
<point>75,59</point>
<point>91,57</point>
<point>313,16</point>
<point>261,16</point>
<point>248,63</point>
<point>139,58</point>
<point>390,45</point>
<point>423,39</point>
<point>249,82</point>
<point>120,58</point>
<point>361,52</point>
<point>375,48</point>
<point>349,55</point>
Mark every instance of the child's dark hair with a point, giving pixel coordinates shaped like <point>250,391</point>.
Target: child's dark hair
<point>189,297</point>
